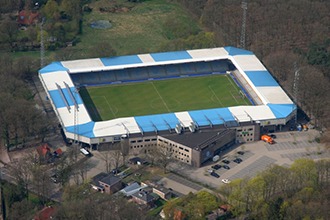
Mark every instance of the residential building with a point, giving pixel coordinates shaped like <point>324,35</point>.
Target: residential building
<point>143,197</point>
<point>107,183</point>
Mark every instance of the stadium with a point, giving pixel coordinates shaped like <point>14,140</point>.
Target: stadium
<point>199,101</point>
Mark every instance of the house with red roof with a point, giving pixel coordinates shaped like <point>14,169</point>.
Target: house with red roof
<point>26,17</point>
<point>45,214</point>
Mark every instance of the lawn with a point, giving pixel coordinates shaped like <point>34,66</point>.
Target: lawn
<point>141,29</point>
<point>161,96</point>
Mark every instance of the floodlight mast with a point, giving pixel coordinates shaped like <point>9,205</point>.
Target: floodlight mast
<point>243,28</point>
<point>296,90</point>
<point>75,123</point>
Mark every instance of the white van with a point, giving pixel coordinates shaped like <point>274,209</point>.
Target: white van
<point>85,152</point>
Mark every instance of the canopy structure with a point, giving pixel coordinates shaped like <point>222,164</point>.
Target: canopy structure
<point>275,107</point>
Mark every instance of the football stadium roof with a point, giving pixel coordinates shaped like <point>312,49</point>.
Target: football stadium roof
<point>275,107</point>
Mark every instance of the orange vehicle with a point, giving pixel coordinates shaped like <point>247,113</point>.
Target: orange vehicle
<point>268,139</point>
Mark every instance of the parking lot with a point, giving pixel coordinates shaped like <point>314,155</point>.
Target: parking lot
<point>258,156</point>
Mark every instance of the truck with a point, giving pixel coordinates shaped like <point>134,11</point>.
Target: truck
<point>268,139</point>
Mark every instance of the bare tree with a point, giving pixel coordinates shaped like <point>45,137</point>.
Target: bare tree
<point>162,155</point>
<point>106,156</point>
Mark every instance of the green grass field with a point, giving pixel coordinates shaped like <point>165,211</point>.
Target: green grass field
<point>162,96</point>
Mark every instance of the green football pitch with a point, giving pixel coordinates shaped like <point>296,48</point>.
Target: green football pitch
<point>161,96</point>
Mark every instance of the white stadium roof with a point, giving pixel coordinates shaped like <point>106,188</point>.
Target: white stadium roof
<point>276,105</point>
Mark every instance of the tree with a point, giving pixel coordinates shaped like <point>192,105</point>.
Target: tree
<point>192,206</point>
<point>81,203</point>
<point>162,155</point>
<point>23,209</point>
<point>51,10</point>
<point>9,33</point>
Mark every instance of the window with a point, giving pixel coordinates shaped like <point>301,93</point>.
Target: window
<point>147,140</point>
<point>134,141</point>
<point>139,141</point>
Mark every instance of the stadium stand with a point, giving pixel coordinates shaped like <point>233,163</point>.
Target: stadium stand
<point>218,66</point>
<point>107,77</point>
<point>203,67</point>
<point>138,73</point>
<point>172,70</point>
<point>156,71</point>
<point>187,68</point>
<point>122,75</point>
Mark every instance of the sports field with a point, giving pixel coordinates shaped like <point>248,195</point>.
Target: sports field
<point>161,96</point>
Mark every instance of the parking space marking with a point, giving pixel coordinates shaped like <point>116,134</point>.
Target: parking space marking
<point>312,155</point>
<point>259,165</point>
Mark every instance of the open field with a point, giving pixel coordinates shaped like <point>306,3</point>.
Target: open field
<point>140,28</point>
<point>161,96</point>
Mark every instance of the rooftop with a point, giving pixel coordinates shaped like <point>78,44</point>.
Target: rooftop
<point>196,139</point>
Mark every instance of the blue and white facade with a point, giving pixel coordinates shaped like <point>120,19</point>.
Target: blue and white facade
<point>274,108</point>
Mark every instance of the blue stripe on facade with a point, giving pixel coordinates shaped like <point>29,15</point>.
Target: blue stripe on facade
<point>159,122</point>
<point>168,56</point>
<point>53,67</point>
<point>282,110</point>
<point>85,130</point>
<point>233,51</point>
<point>122,60</point>
<point>261,78</point>
<point>216,116</point>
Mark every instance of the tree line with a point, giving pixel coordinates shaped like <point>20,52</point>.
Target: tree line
<point>301,191</point>
<point>282,34</point>
<point>20,120</point>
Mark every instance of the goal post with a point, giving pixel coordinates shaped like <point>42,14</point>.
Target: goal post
<point>242,94</point>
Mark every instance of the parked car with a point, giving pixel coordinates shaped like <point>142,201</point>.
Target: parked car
<point>210,170</point>
<point>226,161</point>
<point>115,171</point>
<point>240,152</point>
<point>214,174</point>
<point>237,161</point>
<point>216,167</point>
<point>226,181</point>
<point>272,136</point>
<point>226,167</point>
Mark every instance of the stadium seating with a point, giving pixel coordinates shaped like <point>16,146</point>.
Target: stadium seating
<point>122,75</point>
<point>156,71</point>
<point>218,66</point>
<point>107,77</point>
<point>203,67</point>
<point>138,73</point>
<point>187,68</point>
<point>172,70</point>
<point>144,73</point>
